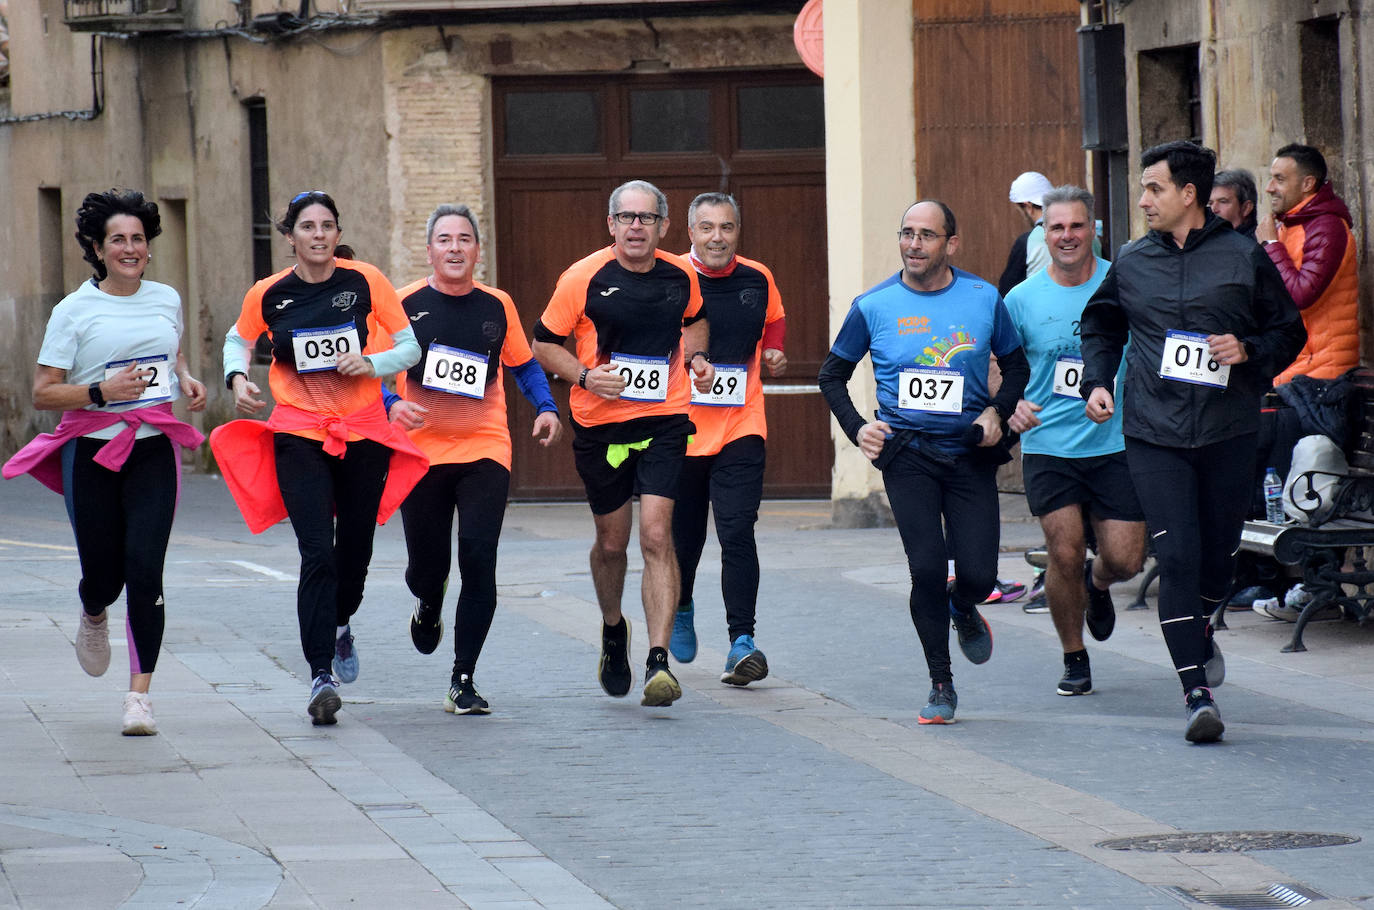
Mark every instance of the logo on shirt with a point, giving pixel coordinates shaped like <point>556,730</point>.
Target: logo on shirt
<point>913,325</point>
<point>674,296</point>
<point>942,353</point>
<point>749,297</point>
<point>344,300</point>
<point>282,305</point>
<point>609,291</point>
<point>420,315</point>
<point>491,331</point>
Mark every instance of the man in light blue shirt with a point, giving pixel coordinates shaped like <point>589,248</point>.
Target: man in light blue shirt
<point>1074,469</point>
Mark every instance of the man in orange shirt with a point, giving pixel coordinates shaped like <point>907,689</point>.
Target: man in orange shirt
<point>632,310</point>
<point>1314,251</point>
<point>725,458</point>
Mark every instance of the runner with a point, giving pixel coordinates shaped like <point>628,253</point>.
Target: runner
<point>725,458</point>
<point>632,309</point>
<point>327,457</point>
<point>111,361</point>
<point>453,405</point>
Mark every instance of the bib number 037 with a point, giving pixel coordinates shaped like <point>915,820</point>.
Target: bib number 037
<point>646,378</point>
<point>320,349</point>
<point>932,390</point>
<point>1186,358</point>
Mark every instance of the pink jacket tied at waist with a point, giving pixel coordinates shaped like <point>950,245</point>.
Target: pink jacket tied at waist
<point>248,461</point>
<point>42,457</point>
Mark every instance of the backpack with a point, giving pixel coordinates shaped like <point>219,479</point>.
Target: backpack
<point>1315,481</point>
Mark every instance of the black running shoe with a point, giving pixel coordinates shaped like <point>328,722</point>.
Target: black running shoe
<point>1101,614</point>
<point>426,627</point>
<point>661,687</point>
<point>613,670</point>
<point>975,636</point>
<point>1204,718</point>
<point>462,697</point>
<point>1078,678</point>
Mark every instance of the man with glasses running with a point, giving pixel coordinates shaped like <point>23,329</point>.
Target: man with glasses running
<point>930,330</point>
<point>633,310</point>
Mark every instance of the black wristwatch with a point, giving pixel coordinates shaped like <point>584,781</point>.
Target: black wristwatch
<point>229,380</point>
<point>702,354</point>
<point>97,396</point>
<point>582,378</point>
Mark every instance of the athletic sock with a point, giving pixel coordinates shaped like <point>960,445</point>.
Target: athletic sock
<point>658,657</point>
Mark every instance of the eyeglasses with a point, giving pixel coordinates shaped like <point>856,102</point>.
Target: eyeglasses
<point>647,219</point>
<point>306,195</point>
<point>907,235</point>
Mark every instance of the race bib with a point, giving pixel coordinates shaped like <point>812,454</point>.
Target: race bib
<point>646,378</point>
<point>320,349</point>
<point>455,370</point>
<point>159,383</point>
<point>1068,373</point>
<point>932,390</point>
<point>1186,359</point>
<point>728,389</point>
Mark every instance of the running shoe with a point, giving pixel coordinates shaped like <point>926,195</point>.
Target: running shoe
<point>1204,718</point>
<point>324,700</point>
<point>745,663</point>
<point>1246,597</point>
<point>661,687</point>
<point>1005,592</point>
<point>1215,666</point>
<point>138,715</point>
<point>613,669</point>
<point>683,643</point>
<point>1101,613</point>
<point>940,705</point>
<point>463,698</point>
<point>346,657</point>
<point>1078,678</point>
<point>974,633</point>
<point>426,627</point>
<point>93,642</point>
<point>1039,602</point>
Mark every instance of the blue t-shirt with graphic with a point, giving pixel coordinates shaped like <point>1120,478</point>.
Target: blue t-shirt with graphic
<point>949,331</point>
<point>1046,317</point>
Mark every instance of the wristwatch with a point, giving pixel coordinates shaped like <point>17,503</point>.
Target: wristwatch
<point>97,396</point>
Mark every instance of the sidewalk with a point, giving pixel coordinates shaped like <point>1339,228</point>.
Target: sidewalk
<point>814,788</point>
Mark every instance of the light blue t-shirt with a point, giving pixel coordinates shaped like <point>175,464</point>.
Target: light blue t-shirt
<point>1046,315</point>
<point>954,328</point>
<point>89,330</point>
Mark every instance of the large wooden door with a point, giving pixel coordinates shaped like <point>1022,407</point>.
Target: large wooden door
<point>562,145</point>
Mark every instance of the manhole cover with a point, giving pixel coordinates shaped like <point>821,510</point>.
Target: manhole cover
<point>1275,897</point>
<point>1227,841</point>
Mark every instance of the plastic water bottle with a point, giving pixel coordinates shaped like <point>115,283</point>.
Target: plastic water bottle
<point>1273,497</point>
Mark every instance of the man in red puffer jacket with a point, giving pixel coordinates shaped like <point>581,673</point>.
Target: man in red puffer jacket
<point>1315,253</point>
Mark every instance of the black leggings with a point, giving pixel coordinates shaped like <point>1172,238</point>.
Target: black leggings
<point>333,505</point>
<point>122,521</point>
<point>730,484</point>
<point>1195,502</point>
<point>922,492</point>
<point>478,490</point>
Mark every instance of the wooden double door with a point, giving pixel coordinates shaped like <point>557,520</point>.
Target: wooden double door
<point>561,146</point>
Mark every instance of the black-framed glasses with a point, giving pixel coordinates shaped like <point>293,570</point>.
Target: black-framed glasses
<point>306,195</point>
<point>647,219</point>
<point>907,235</point>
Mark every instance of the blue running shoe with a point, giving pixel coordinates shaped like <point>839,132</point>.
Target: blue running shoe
<point>683,643</point>
<point>975,637</point>
<point>745,664</point>
<point>324,700</point>
<point>345,657</point>
<point>940,705</point>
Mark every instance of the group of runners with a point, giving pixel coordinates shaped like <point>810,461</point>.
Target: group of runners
<point>666,403</point>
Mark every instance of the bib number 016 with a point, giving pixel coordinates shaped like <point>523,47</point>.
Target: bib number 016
<point>1187,358</point>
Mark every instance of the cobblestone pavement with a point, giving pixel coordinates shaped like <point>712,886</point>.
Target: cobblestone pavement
<point>814,788</point>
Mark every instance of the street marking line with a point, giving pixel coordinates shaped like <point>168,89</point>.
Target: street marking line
<point>37,546</point>
<point>261,570</point>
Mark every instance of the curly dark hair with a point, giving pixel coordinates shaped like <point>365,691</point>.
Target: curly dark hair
<point>96,211</point>
<point>287,221</point>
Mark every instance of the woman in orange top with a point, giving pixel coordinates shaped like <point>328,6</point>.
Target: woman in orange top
<point>327,457</point>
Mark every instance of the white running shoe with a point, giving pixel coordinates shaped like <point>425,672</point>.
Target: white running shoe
<point>93,643</point>
<point>138,715</point>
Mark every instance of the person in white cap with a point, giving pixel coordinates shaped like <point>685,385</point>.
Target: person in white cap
<point>1029,254</point>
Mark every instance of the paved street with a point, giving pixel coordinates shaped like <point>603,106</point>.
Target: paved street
<point>815,788</point>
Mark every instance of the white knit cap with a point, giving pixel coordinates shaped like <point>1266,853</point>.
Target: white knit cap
<point>1030,187</point>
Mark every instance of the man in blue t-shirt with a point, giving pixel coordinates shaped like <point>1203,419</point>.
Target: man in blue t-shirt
<point>1073,469</point>
<point>930,331</point>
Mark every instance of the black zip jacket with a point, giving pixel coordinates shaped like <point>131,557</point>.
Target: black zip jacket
<point>1219,283</point>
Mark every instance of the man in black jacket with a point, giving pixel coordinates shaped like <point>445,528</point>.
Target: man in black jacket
<point>1210,324</point>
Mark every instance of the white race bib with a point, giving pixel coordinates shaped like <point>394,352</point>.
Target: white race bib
<point>646,378</point>
<point>1068,373</point>
<point>931,389</point>
<point>159,383</point>
<point>1186,359</point>
<point>319,349</point>
<point>728,389</point>
<point>455,370</point>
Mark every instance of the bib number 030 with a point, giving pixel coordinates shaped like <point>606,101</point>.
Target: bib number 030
<point>932,390</point>
<point>1186,358</point>
<point>728,389</point>
<point>646,378</point>
<point>320,349</point>
<point>455,371</point>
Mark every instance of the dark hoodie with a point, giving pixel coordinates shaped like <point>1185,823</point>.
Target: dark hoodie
<point>1219,283</point>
